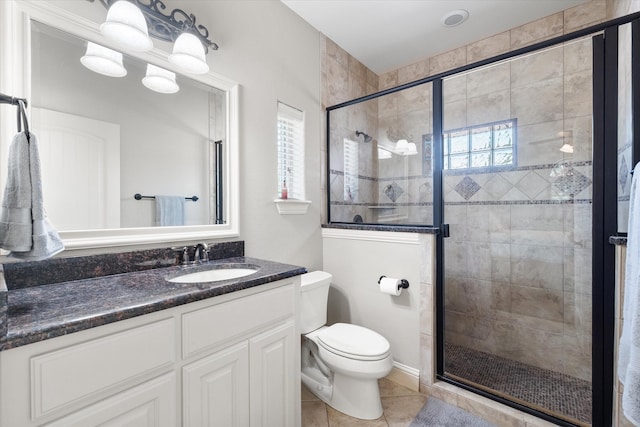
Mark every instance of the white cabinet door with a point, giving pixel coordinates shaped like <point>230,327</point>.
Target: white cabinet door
<point>273,377</point>
<point>151,404</point>
<point>216,389</point>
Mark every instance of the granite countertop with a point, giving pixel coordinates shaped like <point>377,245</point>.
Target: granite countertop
<point>36,313</point>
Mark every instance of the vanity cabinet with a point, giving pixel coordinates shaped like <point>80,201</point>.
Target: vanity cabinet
<point>231,360</point>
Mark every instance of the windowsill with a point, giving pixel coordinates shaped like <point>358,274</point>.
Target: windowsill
<point>292,207</point>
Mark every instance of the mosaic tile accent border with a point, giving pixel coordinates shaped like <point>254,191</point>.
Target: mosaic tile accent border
<point>562,182</point>
<point>556,393</point>
<point>467,187</point>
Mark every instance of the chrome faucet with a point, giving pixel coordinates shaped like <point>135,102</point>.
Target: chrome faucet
<point>201,253</point>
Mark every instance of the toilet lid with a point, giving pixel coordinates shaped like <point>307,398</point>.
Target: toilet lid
<point>353,341</point>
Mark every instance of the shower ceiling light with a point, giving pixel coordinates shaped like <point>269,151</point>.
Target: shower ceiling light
<point>454,18</point>
<point>103,60</point>
<point>160,80</point>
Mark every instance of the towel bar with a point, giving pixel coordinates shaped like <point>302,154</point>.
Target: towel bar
<point>139,196</point>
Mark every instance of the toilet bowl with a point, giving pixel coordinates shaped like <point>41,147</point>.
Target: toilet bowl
<point>341,363</point>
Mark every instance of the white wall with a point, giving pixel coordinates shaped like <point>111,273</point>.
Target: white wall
<point>357,259</point>
<point>274,55</point>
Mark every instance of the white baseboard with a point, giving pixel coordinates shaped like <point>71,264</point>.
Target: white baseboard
<point>405,376</point>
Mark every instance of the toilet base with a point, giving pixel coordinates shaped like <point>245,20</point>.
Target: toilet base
<point>356,397</point>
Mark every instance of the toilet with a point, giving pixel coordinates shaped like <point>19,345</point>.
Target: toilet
<point>341,363</point>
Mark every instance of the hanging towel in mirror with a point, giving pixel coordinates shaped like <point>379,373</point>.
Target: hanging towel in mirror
<point>169,210</point>
<point>24,227</point>
<point>629,350</point>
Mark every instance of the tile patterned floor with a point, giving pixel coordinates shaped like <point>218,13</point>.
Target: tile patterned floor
<point>562,394</point>
<point>400,405</point>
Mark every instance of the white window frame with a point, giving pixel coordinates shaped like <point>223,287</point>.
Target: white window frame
<point>290,152</point>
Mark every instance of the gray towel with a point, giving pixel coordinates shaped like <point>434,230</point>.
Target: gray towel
<point>629,348</point>
<point>169,210</point>
<point>24,227</point>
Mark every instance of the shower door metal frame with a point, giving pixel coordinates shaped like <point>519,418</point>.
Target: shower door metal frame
<point>604,211</point>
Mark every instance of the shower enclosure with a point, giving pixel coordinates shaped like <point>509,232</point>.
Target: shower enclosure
<point>506,159</point>
<point>517,190</point>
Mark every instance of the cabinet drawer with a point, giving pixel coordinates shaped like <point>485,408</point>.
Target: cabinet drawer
<point>76,374</point>
<point>150,404</point>
<point>211,326</point>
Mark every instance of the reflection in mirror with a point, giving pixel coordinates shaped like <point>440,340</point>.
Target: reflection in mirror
<point>103,139</point>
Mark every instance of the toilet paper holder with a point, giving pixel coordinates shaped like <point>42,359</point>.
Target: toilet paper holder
<point>404,283</point>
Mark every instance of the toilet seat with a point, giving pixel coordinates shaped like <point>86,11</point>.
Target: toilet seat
<point>354,342</point>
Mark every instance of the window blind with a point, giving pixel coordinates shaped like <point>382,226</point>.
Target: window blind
<point>350,170</point>
<point>291,151</point>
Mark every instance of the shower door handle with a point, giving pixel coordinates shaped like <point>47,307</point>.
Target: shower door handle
<point>444,229</point>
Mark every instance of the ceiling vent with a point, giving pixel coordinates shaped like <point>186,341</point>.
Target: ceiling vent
<point>455,18</point>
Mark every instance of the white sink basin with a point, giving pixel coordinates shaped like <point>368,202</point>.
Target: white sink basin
<point>212,275</point>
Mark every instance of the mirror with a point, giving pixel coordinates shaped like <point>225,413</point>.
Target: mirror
<point>104,139</point>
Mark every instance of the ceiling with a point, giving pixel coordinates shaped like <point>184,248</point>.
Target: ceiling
<point>388,34</point>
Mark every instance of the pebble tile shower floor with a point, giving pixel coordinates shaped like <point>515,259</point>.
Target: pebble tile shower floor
<point>556,392</point>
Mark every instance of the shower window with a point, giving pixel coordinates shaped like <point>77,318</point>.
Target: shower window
<point>350,169</point>
<point>480,146</point>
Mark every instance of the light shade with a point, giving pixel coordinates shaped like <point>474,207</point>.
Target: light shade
<point>401,146</point>
<point>188,54</point>
<point>566,148</point>
<point>160,80</point>
<point>103,60</point>
<point>126,25</point>
<point>406,148</point>
<point>411,149</point>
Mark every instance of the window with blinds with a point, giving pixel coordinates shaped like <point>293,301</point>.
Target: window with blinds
<point>290,152</point>
<point>350,170</point>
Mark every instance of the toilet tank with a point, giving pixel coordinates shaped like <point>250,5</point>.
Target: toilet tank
<point>314,291</point>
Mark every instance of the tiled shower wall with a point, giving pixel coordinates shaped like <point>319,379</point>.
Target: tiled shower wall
<point>518,261</point>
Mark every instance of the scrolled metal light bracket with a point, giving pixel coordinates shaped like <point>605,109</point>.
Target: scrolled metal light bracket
<point>168,27</point>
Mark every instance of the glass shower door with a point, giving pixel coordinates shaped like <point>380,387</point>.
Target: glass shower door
<point>517,190</point>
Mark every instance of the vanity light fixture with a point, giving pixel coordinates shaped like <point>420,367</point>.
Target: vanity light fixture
<point>567,148</point>
<point>188,54</point>
<point>131,22</point>
<point>126,26</point>
<point>406,148</point>
<point>401,146</point>
<point>103,60</point>
<point>411,150</point>
<point>160,80</point>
